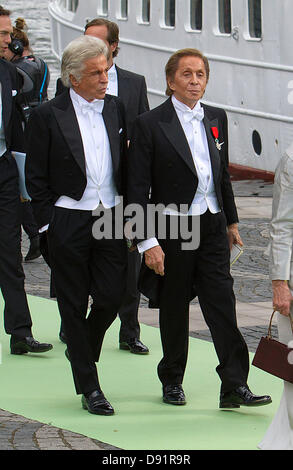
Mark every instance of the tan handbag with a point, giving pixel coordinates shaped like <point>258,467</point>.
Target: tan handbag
<point>273,356</point>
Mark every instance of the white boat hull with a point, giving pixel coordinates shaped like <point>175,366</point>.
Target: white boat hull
<point>250,78</point>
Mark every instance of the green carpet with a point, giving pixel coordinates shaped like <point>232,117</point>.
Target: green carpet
<point>40,387</point>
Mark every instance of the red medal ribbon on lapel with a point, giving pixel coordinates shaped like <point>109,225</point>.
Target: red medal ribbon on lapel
<point>215,132</point>
<point>216,135</point>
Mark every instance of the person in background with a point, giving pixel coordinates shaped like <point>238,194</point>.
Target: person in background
<point>131,89</point>
<point>36,77</point>
<point>17,318</point>
<point>279,435</point>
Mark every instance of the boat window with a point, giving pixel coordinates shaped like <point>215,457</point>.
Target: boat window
<point>103,8</point>
<point>256,142</point>
<point>225,16</point>
<point>72,5</point>
<point>146,11</point>
<point>254,16</point>
<point>170,8</point>
<point>196,15</point>
<point>124,9</point>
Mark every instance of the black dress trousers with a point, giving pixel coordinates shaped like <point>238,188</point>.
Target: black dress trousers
<point>83,266</point>
<point>128,312</point>
<point>28,221</point>
<point>206,268</point>
<point>17,319</point>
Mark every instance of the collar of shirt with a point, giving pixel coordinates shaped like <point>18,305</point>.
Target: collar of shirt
<point>112,73</point>
<point>183,108</point>
<point>80,102</point>
<point>196,137</point>
<point>112,81</point>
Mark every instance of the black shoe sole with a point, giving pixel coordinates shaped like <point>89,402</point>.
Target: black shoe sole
<point>237,405</point>
<point>125,347</point>
<point>25,350</point>
<point>169,402</point>
<point>18,352</point>
<point>228,405</point>
<point>100,412</point>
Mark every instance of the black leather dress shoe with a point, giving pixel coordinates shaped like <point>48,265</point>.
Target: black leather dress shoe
<point>97,404</point>
<point>28,344</point>
<point>173,394</point>
<point>34,249</point>
<point>242,396</point>
<point>135,346</point>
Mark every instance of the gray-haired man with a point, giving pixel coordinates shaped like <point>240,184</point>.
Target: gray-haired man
<point>75,162</point>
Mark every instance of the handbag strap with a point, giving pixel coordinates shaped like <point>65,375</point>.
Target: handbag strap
<point>270,325</point>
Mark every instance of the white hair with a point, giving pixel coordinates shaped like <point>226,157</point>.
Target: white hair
<point>76,53</point>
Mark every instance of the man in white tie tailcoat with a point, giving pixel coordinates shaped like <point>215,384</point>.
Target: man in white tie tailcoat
<point>131,89</point>
<point>179,156</point>
<point>76,165</point>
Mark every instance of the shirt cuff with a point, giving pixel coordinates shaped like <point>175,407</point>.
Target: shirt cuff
<point>44,228</point>
<point>147,244</point>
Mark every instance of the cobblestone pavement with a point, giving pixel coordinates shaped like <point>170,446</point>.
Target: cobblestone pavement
<point>251,284</point>
<point>19,433</point>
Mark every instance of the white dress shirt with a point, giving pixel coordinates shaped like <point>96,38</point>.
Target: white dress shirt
<point>100,186</point>
<point>205,196</point>
<point>112,88</point>
<point>99,170</point>
<point>194,130</point>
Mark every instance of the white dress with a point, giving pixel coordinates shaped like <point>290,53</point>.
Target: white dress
<point>279,435</point>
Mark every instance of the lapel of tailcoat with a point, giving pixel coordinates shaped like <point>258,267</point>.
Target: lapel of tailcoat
<point>124,89</point>
<point>67,121</point>
<point>172,128</point>
<point>110,117</point>
<point>214,152</point>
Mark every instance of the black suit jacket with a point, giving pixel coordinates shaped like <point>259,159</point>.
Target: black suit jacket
<point>55,163</point>
<point>132,91</point>
<point>160,163</point>
<point>160,160</point>
<point>10,81</point>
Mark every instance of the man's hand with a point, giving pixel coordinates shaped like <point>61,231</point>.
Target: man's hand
<point>282,297</point>
<point>233,235</point>
<point>154,259</point>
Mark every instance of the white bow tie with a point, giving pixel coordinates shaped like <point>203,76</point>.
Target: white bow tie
<point>197,113</point>
<point>95,106</point>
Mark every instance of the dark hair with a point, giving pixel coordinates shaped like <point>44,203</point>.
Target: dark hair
<point>19,32</point>
<point>113,31</point>
<point>172,64</point>
<point>4,12</point>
